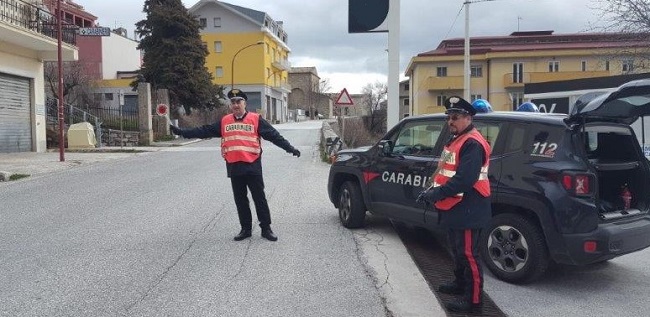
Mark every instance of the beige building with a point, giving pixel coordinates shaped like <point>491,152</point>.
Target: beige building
<point>501,65</point>
<point>404,99</point>
<point>306,94</point>
<point>27,39</point>
<point>361,106</point>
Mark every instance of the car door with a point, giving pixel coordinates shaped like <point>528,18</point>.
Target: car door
<point>404,168</point>
<point>492,131</point>
<point>624,105</point>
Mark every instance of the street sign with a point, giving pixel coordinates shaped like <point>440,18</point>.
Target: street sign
<point>344,100</point>
<point>100,31</point>
<point>162,109</point>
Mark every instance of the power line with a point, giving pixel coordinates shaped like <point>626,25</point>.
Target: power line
<point>453,23</point>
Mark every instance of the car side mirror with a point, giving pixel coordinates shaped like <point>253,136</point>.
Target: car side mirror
<point>385,147</point>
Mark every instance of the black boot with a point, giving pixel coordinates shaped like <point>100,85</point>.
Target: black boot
<point>452,288</point>
<point>269,235</point>
<point>464,306</point>
<point>243,234</point>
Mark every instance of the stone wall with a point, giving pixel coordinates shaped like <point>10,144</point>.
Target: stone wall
<point>118,138</point>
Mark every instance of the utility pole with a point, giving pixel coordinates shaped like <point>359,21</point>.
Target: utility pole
<point>60,92</point>
<point>466,77</point>
<point>392,111</point>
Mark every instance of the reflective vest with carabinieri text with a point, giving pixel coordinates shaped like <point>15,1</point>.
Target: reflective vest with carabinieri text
<point>450,159</point>
<point>240,141</point>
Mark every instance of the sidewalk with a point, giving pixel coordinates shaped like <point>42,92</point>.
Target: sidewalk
<point>34,164</point>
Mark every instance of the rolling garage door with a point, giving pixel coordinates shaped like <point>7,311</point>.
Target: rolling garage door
<point>15,122</point>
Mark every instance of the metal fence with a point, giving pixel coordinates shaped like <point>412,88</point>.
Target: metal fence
<point>37,19</point>
<point>126,119</point>
<point>104,120</point>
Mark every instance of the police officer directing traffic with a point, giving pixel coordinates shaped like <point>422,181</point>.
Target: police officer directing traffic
<point>461,194</point>
<point>240,133</point>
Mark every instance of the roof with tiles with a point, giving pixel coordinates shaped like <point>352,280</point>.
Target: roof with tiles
<point>539,40</point>
<point>258,16</point>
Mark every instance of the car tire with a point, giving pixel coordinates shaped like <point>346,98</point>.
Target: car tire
<point>514,250</point>
<point>352,211</point>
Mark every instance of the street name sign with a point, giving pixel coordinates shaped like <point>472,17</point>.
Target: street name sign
<point>99,31</point>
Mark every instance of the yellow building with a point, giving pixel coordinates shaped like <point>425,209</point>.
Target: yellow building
<point>247,50</point>
<point>501,65</point>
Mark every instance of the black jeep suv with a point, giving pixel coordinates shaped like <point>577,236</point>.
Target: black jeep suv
<point>557,182</point>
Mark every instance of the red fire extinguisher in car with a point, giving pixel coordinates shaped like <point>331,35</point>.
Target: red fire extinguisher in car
<point>626,196</point>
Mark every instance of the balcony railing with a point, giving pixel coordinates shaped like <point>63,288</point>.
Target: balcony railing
<point>31,17</point>
<point>538,77</point>
<point>445,83</point>
<point>282,64</point>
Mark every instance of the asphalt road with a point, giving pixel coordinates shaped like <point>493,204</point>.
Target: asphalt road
<point>151,235</point>
<point>618,287</point>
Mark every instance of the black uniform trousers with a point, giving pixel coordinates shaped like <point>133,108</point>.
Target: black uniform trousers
<point>468,271</point>
<point>240,186</point>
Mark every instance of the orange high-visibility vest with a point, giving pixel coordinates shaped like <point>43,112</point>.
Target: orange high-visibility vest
<point>240,141</point>
<point>449,161</point>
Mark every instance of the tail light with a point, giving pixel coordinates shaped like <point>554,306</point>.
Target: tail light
<point>578,184</point>
<point>590,246</point>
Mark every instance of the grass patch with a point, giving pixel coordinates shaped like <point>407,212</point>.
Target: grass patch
<point>15,177</point>
<point>165,138</point>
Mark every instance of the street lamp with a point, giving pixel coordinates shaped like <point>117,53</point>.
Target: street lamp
<point>232,66</point>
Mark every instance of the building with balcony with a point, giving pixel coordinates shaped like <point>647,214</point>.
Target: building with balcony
<point>500,66</point>
<point>28,37</point>
<point>404,99</point>
<point>73,13</point>
<point>104,59</point>
<point>248,50</point>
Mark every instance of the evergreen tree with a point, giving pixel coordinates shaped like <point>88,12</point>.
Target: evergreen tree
<point>174,56</point>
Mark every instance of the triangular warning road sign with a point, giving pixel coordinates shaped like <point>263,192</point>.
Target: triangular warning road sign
<point>344,99</point>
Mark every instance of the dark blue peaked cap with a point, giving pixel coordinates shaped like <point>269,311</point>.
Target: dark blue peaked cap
<point>236,93</point>
<point>455,104</point>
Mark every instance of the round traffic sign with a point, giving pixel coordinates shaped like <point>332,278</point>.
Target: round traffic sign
<point>161,109</point>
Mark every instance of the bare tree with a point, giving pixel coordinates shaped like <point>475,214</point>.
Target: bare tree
<point>77,84</point>
<point>375,99</point>
<point>628,16</point>
<point>629,22</point>
<point>316,94</point>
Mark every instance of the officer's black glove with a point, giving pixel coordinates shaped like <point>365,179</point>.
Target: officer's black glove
<point>421,197</point>
<point>426,196</point>
<point>176,130</point>
<point>295,152</point>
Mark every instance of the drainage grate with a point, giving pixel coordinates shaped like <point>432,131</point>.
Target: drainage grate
<point>436,265</point>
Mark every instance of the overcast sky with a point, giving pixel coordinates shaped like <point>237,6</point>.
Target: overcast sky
<point>317,29</point>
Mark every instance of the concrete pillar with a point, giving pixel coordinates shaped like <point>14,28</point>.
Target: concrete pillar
<point>162,97</point>
<point>144,114</point>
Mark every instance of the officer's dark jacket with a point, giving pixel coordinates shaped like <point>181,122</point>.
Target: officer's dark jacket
<point>474,210</point>
<point>266,131</point>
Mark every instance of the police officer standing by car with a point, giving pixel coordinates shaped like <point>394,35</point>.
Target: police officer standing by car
<point>461,195</point>
<point>240,134</point>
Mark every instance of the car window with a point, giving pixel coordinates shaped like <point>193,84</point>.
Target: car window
<point>516,139</point>
<point>417,138</point>
<point>600,140</point>
<point>489,130</point>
